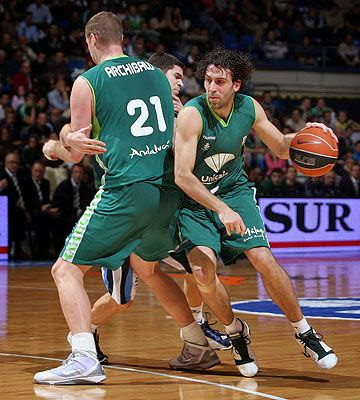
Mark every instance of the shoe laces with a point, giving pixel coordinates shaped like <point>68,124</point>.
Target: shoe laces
<point>206,322</point>
<point>73,357</point>
<point>311,341</point>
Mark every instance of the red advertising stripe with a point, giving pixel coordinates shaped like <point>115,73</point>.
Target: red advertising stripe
<point>325,243</point>
<point>3,249</point>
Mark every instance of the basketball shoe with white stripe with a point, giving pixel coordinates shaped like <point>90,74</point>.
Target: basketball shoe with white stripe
<point>314,348</point>
<point>243,354</point>
<point>80,368</point>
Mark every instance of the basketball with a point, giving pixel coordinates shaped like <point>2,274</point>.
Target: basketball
<point>313,151</point>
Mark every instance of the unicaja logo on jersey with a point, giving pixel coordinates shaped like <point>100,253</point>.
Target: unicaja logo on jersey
<point>217,161</point>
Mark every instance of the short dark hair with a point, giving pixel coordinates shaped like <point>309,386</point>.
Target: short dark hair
<point>106,27</point>
<point>235,61</point>
<point>277,171</point>
<point>165,61</point>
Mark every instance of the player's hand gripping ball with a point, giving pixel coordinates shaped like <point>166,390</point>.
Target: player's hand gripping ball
<point>314,150</point>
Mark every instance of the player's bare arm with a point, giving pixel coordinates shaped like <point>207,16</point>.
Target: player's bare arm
<point>81,107</point>
<point>188,130</point>
<point>54,150</point>
<point>276,141</point>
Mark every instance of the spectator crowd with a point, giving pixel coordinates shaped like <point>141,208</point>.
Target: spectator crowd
<point>43,50</point>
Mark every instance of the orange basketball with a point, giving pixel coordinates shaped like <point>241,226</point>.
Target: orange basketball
<point>313,152</point>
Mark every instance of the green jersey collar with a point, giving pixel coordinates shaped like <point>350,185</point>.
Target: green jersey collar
<point>114,57</point>
<point>222,122</point>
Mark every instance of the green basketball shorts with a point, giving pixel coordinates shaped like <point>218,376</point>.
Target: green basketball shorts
<point>139,218</point>
<point>202,227</point>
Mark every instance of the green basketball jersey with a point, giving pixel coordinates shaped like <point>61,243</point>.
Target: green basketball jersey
<point>134,116</point>
<point>219,159</point>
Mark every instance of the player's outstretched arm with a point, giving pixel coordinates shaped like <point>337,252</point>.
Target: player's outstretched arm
<point>77,139</point>
<point>276,141</point>
<point>188,130</point>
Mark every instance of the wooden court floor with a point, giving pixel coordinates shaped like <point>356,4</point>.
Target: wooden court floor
<point>141,341</point>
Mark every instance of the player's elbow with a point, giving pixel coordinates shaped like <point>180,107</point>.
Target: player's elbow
<point>181,178</point>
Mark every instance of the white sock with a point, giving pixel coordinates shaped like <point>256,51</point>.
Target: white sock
<point>197,313</point>
<point>234,327</point>
<point>301,326</point>
<point>83,341</point>
<point>93,328</point>
<point>193,333</point>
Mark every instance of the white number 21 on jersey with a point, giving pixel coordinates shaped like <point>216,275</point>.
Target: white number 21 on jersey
<point>138,128</point>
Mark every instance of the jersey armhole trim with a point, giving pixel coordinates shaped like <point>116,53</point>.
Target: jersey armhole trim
<point>92,91</point>
<point>202,119</point>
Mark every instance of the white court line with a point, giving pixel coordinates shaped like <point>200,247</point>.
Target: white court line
<point>55,290</point>
<point>142,371</point>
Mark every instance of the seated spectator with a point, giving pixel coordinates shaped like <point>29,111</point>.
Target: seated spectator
<point>334,19</point>
<point>329,119</point>
<point>40,13</point>
<point>57,64</point>
<point>193,56</point>
<point>349,186</point>
<point>348,52</point>
<point>28,111</point>
<point>254,152</point>
<point>41,128</point>
<point>329,186</point>
<point>23,78</point>
<point>6,145</point>
<point>191,86</point>
<point>313,186</point>
<point>59,96</point>
<point>317,112</point>
<point>341,120</point>
<point>71,197</point>
<point>267,102</point>
<point>28,29</point>
<point>32,151</point>
<point>345,144</point>
<point>274,186</point>
<point>306,54</point>
<point>357,151</point>
<point>38,206</point>
<point>296,122</point>
<point>305,107</point>
<point>4,105</point>
<point>256,175</point>
<point>29,54</point>
<point>273,162</point>
<point>56,120</point>
<point>5,71</point>
<point>293,187</point>
<point>12,185</point>
<point>274,49</point>
<point>19,98</point>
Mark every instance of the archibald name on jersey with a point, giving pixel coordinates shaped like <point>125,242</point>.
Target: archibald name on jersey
<point>128,69</point>
<point>149,151</point>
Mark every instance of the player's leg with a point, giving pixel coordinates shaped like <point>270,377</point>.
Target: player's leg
<point>279,287</point>
<point>82,365</point>
<point>196,354</point>
<point>276,281</point>
<point>203,263</point>
<point>217,340</point>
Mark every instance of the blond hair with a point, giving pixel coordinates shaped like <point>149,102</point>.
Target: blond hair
<point>106,27</point>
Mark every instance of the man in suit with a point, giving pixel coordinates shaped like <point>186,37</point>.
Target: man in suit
<point>71,197</point>
<point>350,184</point>
<point>12,185</point>
<point>37,202</point>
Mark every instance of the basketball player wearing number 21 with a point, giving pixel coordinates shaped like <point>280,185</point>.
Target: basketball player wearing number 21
<point>220,216</point>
